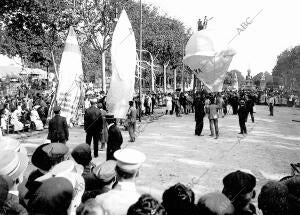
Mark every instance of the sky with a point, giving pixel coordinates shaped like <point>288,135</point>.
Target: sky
<point>275,27</point>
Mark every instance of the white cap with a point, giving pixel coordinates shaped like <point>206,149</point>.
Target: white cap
<point>129,159</point>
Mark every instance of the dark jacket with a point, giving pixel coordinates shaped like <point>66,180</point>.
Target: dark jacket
<point>58,129</point>
<point>114,141</point>
<point>199,109</point>
<point>243,111</point>
<point>12,206</point>
<point>93,120</point>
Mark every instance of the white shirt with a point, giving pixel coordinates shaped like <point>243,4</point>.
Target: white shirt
<point>118,200</point>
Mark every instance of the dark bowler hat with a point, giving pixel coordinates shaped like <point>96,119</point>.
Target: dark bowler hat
<point>40,158</point>
<point>82,154</point>
<point>109,116</point>
<point>56,109</point>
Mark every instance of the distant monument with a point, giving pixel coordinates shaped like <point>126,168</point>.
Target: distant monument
<point>249,82</point>
<point>263,82</point>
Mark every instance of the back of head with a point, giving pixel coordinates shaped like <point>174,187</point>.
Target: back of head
<point>54,196</point>
<point>238,186</point>
<point>273,199</point>
<point>146,205</point>
<point>178,199</point>
<point>90,207</point>
<point>293,185</point>
<point>215,203</point>
<point>82,154</point>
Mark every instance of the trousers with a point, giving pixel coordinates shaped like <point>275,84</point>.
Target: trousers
<point>199,126</point>
<point>271,108</point>
<point>214,128</point>
<point>96,138</point>
<point>242,122</point>
<point>131,130</point>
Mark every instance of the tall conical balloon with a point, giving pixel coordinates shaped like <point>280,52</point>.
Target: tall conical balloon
<point>70,78</point>
<point>123,59</point>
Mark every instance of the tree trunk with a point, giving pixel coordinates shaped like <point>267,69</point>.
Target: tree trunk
<point>165,78</point>
<point>175,79</point>
<point>103,72</point>
<point>182,76</point>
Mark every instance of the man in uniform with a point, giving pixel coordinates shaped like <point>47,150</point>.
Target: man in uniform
<point>131,116</point>
<point>124,194</point>
<point>115,138</point>
<point>58,128</point>
<point>93,125</point>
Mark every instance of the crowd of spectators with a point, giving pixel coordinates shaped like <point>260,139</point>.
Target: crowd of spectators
<point>24,113</point>
<point>71,183</point>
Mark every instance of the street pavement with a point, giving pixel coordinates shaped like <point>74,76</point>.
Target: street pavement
<point>175,154</point>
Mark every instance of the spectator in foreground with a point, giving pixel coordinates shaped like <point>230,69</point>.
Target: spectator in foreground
<point>12,167</point>
<point>124,194</point>
<point>146,205</point>
<point>215,203</point>
<point>293,185</point>
<point>273,199</point>
<point>239,188</point>
<point>90,207</point>
<point>53,197</point>
<point>179,200</point>
<point>103,180</point>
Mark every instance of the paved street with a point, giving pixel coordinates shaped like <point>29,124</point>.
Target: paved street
<point>175,154</point>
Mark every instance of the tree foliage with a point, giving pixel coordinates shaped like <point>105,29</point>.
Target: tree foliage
<point>287,69</point>
<point>33,29</point>
<point>229,78</point>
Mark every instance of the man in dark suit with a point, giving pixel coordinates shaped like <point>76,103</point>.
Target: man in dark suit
<point>58,128</point>
<point>199,114</point>
<point>115,138</point>
<point>93,125</point>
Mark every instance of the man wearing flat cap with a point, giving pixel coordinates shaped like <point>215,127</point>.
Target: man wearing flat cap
<point>58,128</point>
<point>124,194</point>
<point>239,188</point>
<point>93,125</point>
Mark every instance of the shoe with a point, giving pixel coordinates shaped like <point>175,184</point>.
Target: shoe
<point>216,137</point>
<point>240,133</point>
<point>211,135</point>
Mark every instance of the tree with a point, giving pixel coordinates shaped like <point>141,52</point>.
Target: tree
<point>287,68</point>
<point>268,78</point>
<point>34,29</point>
<point>229,79</point>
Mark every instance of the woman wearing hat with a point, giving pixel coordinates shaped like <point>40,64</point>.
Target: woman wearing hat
<point>35,118</point>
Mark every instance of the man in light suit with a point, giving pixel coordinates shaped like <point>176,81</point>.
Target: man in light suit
<point>131,116</point>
